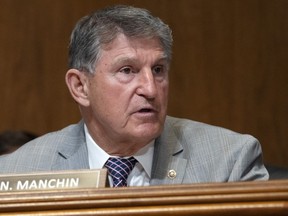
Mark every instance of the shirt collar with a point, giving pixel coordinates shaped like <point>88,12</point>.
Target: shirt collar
<point>98,157</point>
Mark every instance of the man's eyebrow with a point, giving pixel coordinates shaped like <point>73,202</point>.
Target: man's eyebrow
<point>164,58</point>
<point>124,59</point>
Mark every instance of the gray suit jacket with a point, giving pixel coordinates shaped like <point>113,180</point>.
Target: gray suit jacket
<point>197,152</point>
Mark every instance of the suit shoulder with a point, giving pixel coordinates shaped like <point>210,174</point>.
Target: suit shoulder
<point>199,130</point>
<point>40,153</point>
<point>187,124</point>
<point>215,153</point>
<point>53,138</point>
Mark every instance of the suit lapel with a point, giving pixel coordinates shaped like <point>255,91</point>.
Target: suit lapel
<point>168,165</point>
<point>72,152</point>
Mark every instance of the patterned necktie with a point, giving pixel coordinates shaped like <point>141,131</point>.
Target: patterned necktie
<point>119,169</point>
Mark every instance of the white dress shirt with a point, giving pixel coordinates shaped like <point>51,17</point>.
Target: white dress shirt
<point>141,173</point>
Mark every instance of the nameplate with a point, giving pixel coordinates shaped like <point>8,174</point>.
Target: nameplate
<point>54,180</point>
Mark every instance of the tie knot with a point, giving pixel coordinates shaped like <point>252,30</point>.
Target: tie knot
<point>119,169</point>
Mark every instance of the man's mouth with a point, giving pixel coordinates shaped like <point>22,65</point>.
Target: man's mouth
<point>145,110</point>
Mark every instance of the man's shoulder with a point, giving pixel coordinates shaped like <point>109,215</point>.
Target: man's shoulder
<point>41,152</point>
<point>188,124</point>
<point>72,131</point>
<point>215,153</point>
<point>55,138</point>
<point>195,130</point>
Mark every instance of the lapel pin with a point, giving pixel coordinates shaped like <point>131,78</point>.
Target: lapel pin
<point>172,174</point>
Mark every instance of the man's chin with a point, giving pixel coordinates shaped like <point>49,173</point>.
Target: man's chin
<point>148,130</point>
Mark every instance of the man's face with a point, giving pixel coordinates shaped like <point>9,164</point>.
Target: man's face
<point>128,93</point>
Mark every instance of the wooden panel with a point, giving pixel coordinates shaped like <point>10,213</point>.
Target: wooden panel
<point>229,66</point>
<point>245,198</point>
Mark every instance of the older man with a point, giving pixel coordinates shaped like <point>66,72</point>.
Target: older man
<point>119,61</point>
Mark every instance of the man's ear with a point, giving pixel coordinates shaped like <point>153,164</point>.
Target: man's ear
<point>77,83</point>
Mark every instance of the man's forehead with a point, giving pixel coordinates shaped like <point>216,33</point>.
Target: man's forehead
<point>124,48</point>
<point>132,59</point>
<point>123,40</point>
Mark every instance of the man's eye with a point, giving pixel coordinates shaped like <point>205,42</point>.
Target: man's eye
<point>126,70</point>
<point>158,70</point>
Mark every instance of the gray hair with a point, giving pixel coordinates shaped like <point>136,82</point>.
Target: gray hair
<point>103,26</point>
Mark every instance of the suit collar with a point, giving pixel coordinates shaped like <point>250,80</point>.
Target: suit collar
<point>72,135</point>
<point>72,151</point>
<point>168,164</point>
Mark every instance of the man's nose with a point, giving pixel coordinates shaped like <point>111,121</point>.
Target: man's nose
<point>146,84</point>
